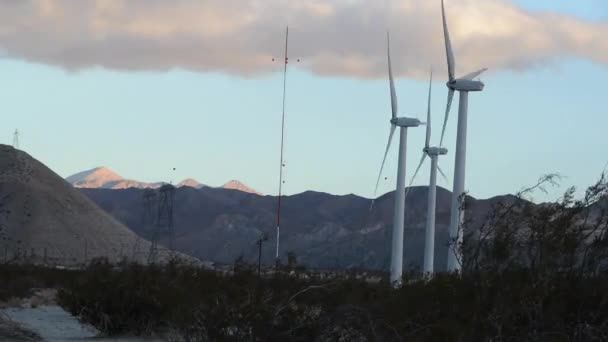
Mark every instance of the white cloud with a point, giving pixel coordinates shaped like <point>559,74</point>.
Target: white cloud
<point>339,37</point>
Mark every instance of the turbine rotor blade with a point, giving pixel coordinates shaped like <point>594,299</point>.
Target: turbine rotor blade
<point>394,104</point>
<point>388,146</point>
<point>474,75</point>
<point>445,178</point>
<point>447,114</point>
<point>428,116</point>
<point>448,45</point>
<point>424,155</point>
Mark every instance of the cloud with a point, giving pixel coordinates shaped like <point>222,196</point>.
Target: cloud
<point>339,37</point>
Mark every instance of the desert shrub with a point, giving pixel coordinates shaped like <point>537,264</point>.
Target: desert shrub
<point>207,306</point>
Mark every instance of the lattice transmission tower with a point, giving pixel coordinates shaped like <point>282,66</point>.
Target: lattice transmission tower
<point>160,221</point>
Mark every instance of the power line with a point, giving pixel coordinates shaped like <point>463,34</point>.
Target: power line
<point>260,242</point>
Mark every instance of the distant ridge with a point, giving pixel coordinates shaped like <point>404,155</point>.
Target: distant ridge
<point>104,178</point>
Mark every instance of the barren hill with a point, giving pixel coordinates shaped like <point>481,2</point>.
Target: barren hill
<point>43,216</point>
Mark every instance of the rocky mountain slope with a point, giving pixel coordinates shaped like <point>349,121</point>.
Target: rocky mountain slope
<point>44,217</point>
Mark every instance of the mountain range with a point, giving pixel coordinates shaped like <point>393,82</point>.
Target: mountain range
<point>104,178</point>
<point>322,230</point>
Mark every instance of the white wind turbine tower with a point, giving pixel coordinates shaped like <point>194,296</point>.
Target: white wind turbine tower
<point>464,85</point>
<point>399,216</point>
<point>433,153</point>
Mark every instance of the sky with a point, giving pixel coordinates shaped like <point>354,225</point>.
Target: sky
<point>145,87</point>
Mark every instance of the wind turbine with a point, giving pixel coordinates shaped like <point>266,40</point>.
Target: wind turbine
<point>16,139</point>
<point>433,153</point>
<point>398,220</point>
<point>464,85</point>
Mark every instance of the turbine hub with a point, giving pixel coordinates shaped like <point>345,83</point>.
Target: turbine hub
<point>435,151</point>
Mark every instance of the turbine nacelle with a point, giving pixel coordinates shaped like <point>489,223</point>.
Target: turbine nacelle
<point>406,122</point>
<point>435,151</point>
<point>462,84</point>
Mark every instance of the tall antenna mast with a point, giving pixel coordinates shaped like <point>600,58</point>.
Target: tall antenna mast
<point>282,165</point>
<point>16,139</point>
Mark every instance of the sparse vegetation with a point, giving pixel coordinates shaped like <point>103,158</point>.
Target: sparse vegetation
<point>19,281</point>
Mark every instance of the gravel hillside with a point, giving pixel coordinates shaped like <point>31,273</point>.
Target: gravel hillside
<point>42,217</point>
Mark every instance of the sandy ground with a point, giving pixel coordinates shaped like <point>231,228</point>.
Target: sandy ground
<point>54,324</point>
